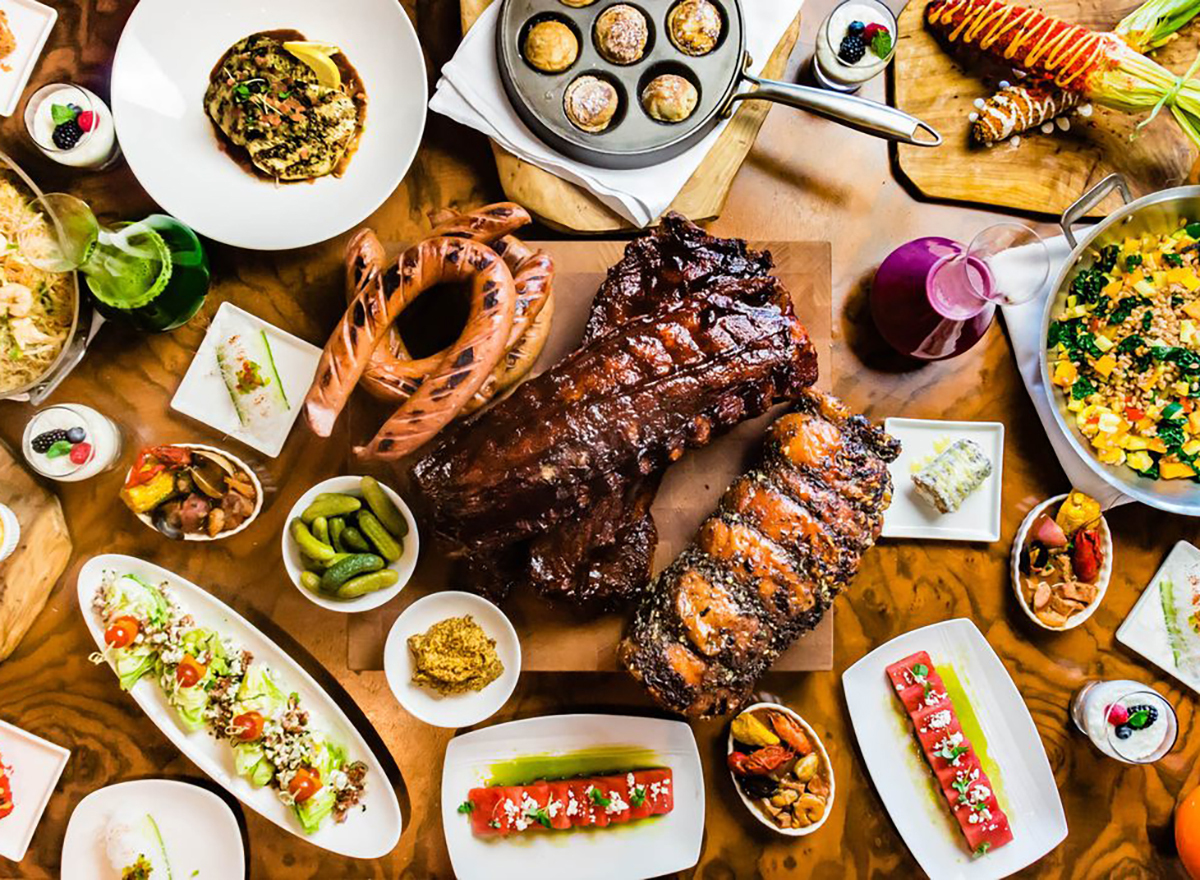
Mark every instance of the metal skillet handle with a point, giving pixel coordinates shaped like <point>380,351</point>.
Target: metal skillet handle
<point>869,117</point>
<point>1089,200</point>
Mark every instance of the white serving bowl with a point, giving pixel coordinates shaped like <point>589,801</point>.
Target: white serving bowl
<point>404,566</point>
<point>1106,567</point>
<point>759,814</point>
<point>148,521</point>
<point>453,710</point>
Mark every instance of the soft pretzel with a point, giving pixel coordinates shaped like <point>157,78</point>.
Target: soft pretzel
<point>465,365</point>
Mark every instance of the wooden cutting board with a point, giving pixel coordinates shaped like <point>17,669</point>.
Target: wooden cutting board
<point>553,638</point>
<point>570,208</point>
<point>1043,173</point>
<point>28,576</point>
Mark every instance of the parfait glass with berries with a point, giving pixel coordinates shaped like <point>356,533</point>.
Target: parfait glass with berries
<point>856,42</point>
<point>1126,720</point>
<point>72,125</point>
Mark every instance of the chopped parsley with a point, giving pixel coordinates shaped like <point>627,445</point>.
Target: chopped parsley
<point>466,807</point>
<point>637,797</point>
<point>982,849</point>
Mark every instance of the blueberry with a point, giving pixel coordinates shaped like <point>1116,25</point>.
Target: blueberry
<point>856,28</point>
<point>1123,731</point>
<point>76,435</point>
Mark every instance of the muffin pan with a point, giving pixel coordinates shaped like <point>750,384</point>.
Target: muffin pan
<point>633,139</point>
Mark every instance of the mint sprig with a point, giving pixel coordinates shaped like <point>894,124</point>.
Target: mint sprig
<point>61,114</point>
<point>881,43</point>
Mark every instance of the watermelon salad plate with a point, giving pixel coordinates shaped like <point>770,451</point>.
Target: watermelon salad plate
<point>579,796</point>
<point>954,753</point>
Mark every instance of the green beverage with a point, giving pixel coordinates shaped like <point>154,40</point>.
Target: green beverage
<point>152,275</point>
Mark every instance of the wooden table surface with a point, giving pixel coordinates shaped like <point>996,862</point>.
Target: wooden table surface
<point>807,180</point>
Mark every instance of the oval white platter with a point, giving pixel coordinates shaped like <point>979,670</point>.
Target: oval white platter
<point>367,833</point>
<point>649,848</point>
<point>1102,579</point>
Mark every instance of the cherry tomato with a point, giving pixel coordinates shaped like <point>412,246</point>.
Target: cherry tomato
<point>121,632</point>
<point>304,784</point>
<point>249,725</point>
<point>190,671</point>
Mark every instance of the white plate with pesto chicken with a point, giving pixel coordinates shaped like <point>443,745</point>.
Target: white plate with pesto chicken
<point>263,733</point>
<point>997,736</point>
<point>516,798</point>
<point>258,145</point>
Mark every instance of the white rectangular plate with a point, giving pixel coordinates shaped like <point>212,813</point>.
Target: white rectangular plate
<point>34,767</point>
<point>911,516</point>
<point>368,833</point>
<point>904,781</point>
<point>648,848</point>
<point>31,23</point>
<point>1145,629</point>
<point>202,393</point>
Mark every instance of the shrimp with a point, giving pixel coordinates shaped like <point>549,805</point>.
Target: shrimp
<point>15,300</point>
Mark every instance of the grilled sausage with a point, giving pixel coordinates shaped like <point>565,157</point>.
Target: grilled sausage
<point>466,364</point>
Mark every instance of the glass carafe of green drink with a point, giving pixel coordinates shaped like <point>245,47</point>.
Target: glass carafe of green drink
<point>151,274</point>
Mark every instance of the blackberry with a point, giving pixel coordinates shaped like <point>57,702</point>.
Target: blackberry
<point>851,50</point>
<point>1123,731</point>
<point>856,29</point>
<point>76,434</point>
<point>67,135</point>
<point>1150,712</point>
<point>42,442</point>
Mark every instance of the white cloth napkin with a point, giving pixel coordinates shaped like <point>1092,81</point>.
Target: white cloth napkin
<point>1025,329</point>
<point>470,91</point>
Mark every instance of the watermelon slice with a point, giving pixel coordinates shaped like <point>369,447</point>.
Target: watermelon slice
<point>946,747</point>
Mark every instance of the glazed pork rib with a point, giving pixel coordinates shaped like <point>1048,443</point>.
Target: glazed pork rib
<point>786,538</point>
<point>615,411</point>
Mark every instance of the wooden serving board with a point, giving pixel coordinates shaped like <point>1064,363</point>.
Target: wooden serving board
<point>567,207</point>
<point>28,576</point>
<point>1043,173</point>
<point>553,637</point>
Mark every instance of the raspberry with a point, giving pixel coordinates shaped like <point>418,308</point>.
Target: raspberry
<point>80,453</point>
<point>1117,714</point>
<point>87,120</point>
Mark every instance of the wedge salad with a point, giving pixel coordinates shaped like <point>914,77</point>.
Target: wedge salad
<point>215,685</point>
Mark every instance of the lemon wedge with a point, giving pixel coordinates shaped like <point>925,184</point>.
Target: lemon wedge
<point>318,57</point>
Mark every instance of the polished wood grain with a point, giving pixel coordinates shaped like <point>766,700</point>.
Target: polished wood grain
<point>1039,172</point>
<point>805,180</point>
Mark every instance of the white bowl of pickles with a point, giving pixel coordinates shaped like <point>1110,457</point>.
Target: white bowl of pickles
<point>350,544</point>
<point>780,769</point>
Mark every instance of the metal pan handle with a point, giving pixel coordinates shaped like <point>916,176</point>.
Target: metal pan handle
<point>1089,200</point>
<point>869,117</point>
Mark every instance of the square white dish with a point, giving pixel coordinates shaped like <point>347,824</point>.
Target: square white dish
<point>1144,630</point>
<point>911,516</point>
<point>904,781</point>
<point>649,848</point>
<point>199,832</point>
<point>34,767</point>
<point>30,23</point>
<point>202,394</point>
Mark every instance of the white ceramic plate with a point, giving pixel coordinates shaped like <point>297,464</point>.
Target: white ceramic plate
<point>902,777</point>
<point>148,522</point>
<point>1145,629</point>
<point>454,710</point>
<point>199,832</point>
<point>34,765</point>
<point>30,23</point>
<point>911,516</point>
<point>1050,506</point>
<point>366,834</point>
<point>404,566</point>
<point>202,393</point>
<point>755,810</point>
<point>160,73</point>
<point>639,850</point>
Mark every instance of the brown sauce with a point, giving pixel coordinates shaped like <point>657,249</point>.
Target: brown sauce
<point>352,85</point>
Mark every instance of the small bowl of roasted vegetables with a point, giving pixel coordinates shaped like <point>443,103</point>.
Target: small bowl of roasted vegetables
<point>780,769</point>
<point>1062,561</point>
<point>350,544</point>
<point>191,492</point>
